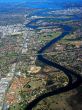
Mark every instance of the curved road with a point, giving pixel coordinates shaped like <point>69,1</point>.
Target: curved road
<point>71,84</point>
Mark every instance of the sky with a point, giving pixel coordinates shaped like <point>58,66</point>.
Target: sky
<point>6,1</point>
<point>56,4</point>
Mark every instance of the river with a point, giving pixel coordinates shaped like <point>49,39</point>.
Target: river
<point>69,73</point>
